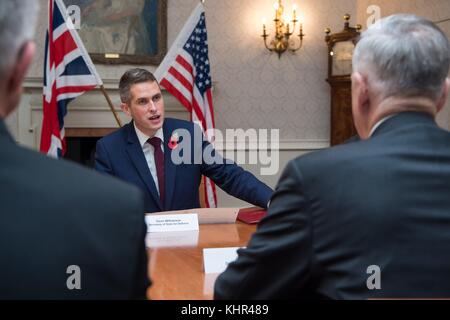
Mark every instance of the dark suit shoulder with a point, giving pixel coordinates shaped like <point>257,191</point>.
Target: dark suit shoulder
<point>67,215</point>
<point>329,156</point>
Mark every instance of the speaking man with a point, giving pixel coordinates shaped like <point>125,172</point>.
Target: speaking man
<point>141,153</point>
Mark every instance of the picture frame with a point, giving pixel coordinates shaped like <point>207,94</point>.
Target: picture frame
<point>123,31</point>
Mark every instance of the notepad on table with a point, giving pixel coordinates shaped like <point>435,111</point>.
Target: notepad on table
<point>251,215</point>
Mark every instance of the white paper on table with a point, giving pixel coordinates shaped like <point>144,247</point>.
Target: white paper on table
<point>216,260</point>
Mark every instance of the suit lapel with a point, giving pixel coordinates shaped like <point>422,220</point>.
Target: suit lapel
<point>4,131</point>
<point>137,157</point>
<point>169,167</point>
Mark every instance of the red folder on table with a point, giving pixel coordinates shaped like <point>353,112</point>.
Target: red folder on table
<point>251,215</point>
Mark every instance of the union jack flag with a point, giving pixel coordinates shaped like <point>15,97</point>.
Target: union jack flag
<point>185,73</point>
<point>68,73</point>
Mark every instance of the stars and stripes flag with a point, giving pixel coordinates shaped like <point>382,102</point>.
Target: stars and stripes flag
<point>185,73</point>
<point>68,73</point>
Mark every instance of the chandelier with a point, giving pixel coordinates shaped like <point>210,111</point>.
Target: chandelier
<point>284,29</point>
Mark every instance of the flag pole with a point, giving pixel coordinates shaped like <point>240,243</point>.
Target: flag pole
<point>102,88</point>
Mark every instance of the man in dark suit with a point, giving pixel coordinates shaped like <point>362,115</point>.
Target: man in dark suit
<point>370,218</point>
<point>65,232</point>
<point>132,153</point>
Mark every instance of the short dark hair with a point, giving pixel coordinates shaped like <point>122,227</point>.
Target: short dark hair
<point>130,77</point>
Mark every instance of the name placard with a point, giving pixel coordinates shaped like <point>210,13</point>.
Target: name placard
<point>216,260</point>
<point>172,222</point>
<point>171,239</point>
<point>207,215</point>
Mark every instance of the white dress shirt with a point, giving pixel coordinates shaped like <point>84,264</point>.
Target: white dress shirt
<point>149,151</point>
<point>375,127</point>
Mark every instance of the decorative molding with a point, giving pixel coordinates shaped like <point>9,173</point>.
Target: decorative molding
<point>283,145</point>
<point>110,84</point>
<point>97,115</point>
<point>36,83</point>
<point>88,132</point>
<point>84,108</point>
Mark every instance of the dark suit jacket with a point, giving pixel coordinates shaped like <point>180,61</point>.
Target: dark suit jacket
<point>120,154</point>
<point>54,214</point>
<point>384,201</point>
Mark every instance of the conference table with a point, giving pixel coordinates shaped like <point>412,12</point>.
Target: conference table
<point>176,261</point>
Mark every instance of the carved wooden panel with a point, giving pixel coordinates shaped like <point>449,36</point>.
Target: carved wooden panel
<point>342,126</point>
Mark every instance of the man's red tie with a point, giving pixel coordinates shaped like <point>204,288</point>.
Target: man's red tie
<point>159,162</point>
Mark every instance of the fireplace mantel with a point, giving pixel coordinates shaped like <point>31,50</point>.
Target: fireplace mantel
<point>89,132</point>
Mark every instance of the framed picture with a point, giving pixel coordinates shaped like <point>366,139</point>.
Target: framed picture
<point>123,31</point>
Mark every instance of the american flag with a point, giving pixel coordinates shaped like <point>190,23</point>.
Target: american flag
<point>185,73</point>
<point>68,73</point>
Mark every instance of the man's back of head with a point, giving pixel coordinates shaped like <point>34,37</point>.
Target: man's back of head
<point>17,25</point>
<point>400,59</point>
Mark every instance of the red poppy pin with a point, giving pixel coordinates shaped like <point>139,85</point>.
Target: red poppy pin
<point>173,142</point>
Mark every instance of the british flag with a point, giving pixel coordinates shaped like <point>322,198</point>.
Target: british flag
<point>185,73</point>
<point>68,73</point>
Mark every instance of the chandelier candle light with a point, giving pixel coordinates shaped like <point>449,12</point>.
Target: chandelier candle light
<point>283,31</point>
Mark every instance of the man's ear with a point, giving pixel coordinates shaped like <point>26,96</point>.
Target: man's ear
<point>359,86</point>
<point>13,78</point>
<point>445,90</point>
<point>18,72</point>
<point>360,104</point>
<point>125,108</point>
